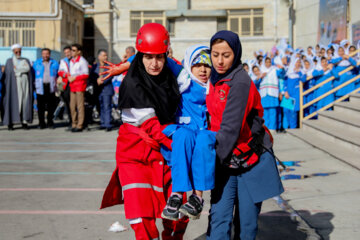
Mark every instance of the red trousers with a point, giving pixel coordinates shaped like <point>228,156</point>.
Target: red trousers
<point>147,230</point>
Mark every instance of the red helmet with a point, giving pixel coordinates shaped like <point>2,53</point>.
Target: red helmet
<point>152,38</point>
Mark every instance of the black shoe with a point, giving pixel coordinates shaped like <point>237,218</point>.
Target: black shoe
<point>282,130</point>
<point>76,130</point>
<point>10,127</point>
<point>171,210</point>
<point>109,129</point>
<point>25,126</point>
<point>193,207</point>
<point>101,128</point>
<point>51,126</point>
<point>41,126</point>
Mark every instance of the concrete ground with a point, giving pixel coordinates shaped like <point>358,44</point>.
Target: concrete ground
<point>52,181</point>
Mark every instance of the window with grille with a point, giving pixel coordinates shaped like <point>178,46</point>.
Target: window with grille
<point>17,31</point>
<point>246,22</point>
<point>139,18</point>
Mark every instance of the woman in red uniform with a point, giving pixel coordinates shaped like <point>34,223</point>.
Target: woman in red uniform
<point>148,99</point>
<point>246,172</point>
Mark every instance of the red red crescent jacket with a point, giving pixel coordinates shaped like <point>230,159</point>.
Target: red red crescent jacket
<point>234,105</point>
<point>141,180</point>
<point>79,68</point>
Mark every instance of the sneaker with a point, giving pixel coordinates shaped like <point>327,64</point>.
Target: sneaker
<point>193,207</point>
<point>171,210</point>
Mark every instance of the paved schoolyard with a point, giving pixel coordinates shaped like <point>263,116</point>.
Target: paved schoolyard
<point>52,181</point>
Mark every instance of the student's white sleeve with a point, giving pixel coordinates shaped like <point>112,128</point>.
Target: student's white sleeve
<point>136,116</point>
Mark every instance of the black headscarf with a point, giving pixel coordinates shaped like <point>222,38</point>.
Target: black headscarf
<point>142,90</point>
<point>234,42</point>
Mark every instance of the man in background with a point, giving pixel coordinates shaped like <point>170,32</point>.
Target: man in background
<point>63,82</point>
<point>129,51</point>
<point>106,92</point>
<point>79,72</point>
<point>46,70</point>
<point>17,90</point>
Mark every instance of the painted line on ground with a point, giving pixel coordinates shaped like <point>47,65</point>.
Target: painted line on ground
<point>54,143</point>
<point>80,212</point>
<point>56,151</point>
<point>58,212</point>
<point>55,173</point>
<point>51,189</point>
<point>55,160</point>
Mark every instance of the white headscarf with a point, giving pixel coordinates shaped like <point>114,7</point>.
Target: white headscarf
<point>309,71</point>
<point>291,70</point>
<point>343,43</point>
<point>265,69</point>
<point>343,62</point>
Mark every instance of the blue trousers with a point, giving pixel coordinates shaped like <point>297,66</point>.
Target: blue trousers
<point>291,117</point>
<point>228,189</point>
<point>271,116</point>
<point>105,110</point>
<point>193,160</point>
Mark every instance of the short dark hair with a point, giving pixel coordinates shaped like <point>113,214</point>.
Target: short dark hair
<point>245,64</point>
<point>255,66</point>
<point>46,49</point>
<point>78,46</point>
<point>101,50</point>
<point>352,46</point>
<point>67,47</point>
<point>131,48</point>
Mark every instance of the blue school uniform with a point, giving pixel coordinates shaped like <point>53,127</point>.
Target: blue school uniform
<point>271,106</point>
<point>344,77</point>
<point>283,123</point>
<point>192,159</point>
<point>320,77</point>
<point>193,148</point>
<point>292,87</point>
<point>310,96</point>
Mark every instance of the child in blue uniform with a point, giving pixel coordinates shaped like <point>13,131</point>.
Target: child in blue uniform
<point>281,62</point>
<point>294,76</point>
<point>308,69</point>
<point>341,62</point>
<point>269,92</point>
<point>321,73</point>
<point>193,154</point>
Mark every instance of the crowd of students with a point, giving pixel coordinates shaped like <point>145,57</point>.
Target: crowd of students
<point>277,76</point>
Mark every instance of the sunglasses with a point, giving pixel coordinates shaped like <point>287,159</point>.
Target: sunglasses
<point>74,50</point>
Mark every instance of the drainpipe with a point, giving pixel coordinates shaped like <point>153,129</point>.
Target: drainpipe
<point>291,22</point>
<point>275,20</point>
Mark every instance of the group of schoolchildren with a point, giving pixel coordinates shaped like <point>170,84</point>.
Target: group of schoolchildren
<point>277,76</point>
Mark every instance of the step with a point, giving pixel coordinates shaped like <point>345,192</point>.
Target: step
<point>342,153</point>
<point>334,133</point>
<point>355,98</point>
<point>344,120</point>
<point>348,108</point>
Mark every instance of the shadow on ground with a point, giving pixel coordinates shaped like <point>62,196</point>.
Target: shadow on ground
<point>278,225</point>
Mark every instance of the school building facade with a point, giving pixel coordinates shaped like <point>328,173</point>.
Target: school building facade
<point>307,20</point>
<point>259,23</point>
<point>41,23</point>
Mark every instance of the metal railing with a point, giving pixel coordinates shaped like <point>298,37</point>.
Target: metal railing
<point>303,93</point>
